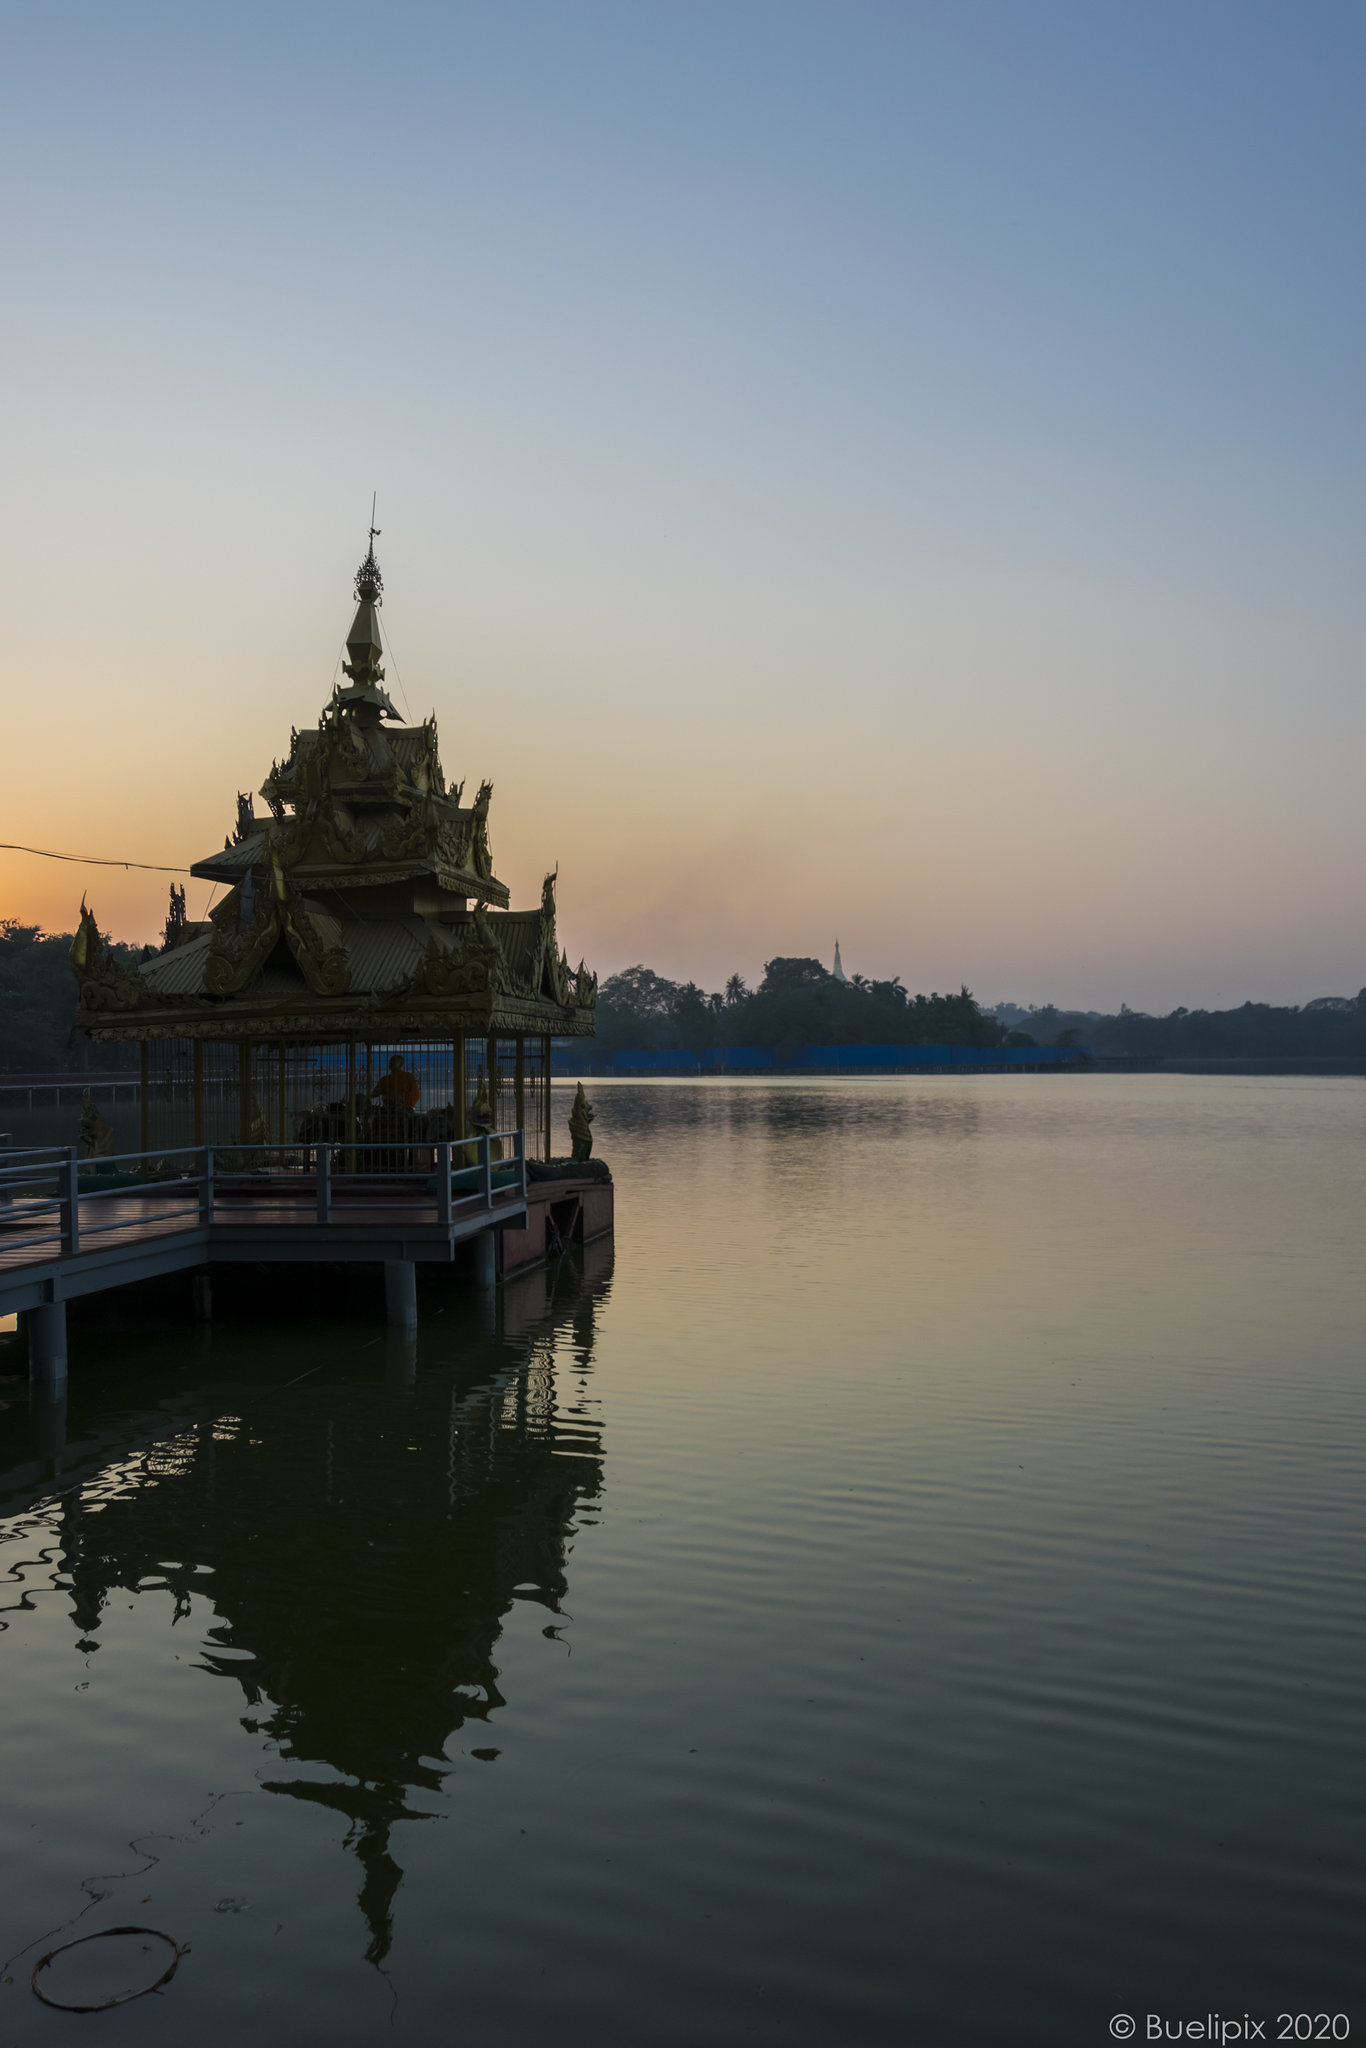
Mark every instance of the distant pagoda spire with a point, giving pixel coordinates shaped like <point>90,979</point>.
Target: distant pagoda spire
<point>363,641</point>
<point>839,972</point>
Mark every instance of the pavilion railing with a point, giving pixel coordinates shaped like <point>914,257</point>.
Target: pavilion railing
<point>51,1187</point>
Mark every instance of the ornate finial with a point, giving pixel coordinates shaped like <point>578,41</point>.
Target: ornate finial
<point>369,582</point>
<point>365,697</point>
<point>174,931</point>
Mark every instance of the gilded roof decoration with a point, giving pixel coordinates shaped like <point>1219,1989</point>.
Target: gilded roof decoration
<point>365,899</point>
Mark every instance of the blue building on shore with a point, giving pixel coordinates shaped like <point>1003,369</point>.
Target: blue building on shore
<point>571,1058</point>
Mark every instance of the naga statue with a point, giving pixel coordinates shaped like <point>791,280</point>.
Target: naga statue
<point>581,1127</point>
<point>97,1140</point>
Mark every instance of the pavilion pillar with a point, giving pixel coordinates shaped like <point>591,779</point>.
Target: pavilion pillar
<point>519,1083</point>
<point>459,1085</point>
<point>280,1117</point>
<point>197,1070</point>
<point>491,1074</point>
<point>144,1106</point>
<point>244,1090</point>
<point>545,1070</point>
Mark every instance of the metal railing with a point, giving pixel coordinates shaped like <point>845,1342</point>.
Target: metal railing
<point>47,1182</point>
<point>53,1182</point>
<point>52,1090</point>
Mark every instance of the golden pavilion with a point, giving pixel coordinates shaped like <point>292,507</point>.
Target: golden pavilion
<point>363,979</point>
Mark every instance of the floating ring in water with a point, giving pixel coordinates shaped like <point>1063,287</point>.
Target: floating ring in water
<point>142,1950</point>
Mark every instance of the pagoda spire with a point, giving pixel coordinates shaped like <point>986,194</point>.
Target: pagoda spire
<point>363,641</point>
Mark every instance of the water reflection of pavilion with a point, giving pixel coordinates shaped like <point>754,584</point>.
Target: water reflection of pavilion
<point>366,1543</point>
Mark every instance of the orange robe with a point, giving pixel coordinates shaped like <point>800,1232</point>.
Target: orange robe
<point>402,1089</point>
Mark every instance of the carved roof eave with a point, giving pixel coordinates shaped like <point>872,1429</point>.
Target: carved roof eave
<point>341,1017</point>
<point>223,867</point>
<point>456,881</point>
<point>219,867</point>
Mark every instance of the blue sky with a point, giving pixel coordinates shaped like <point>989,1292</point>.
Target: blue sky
<point>894,469</point>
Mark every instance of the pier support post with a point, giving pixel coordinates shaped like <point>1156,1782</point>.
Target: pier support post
<point>400,1358</point>
<point>47,1412</point>
<point>400,1293</point>
<point>47,1342</point>
<point>485,1260</point>
<point>203,1298</point>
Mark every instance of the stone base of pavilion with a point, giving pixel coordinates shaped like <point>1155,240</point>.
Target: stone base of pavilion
<point>561,1212</point>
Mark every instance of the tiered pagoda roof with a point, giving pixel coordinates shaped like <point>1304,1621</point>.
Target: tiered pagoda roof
<point>364,905</point>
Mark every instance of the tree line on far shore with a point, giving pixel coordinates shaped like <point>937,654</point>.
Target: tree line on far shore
<point>1252,1031</point>
<point>798,1002</point>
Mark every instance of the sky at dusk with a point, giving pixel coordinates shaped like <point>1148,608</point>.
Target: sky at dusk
<point>888,471</point>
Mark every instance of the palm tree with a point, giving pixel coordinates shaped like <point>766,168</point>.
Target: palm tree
<point>737,988</point>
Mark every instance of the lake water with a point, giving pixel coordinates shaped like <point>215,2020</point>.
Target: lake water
<point>908,1590</point>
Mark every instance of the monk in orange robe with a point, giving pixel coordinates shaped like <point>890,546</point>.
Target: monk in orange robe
<point>399,1089</point>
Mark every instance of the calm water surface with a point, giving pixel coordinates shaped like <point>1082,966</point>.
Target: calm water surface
<point>910,1590</point>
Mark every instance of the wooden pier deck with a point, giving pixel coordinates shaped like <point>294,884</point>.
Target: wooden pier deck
<point>62,1235</point>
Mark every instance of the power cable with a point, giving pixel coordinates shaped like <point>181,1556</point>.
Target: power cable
<point>92,860</point>
<point>388,639</point>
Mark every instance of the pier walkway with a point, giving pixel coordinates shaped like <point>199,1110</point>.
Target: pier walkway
<point>70,1227</point>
